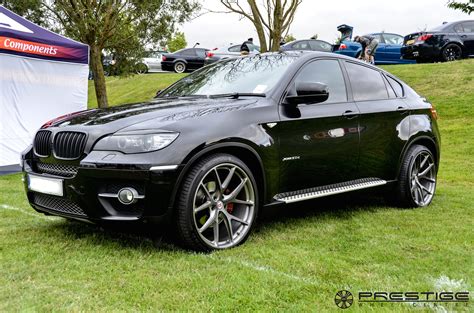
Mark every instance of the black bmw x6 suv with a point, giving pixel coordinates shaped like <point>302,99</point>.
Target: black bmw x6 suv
<point>215,147</point>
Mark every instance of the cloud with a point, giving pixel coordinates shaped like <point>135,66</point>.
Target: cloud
<point>322,17</point>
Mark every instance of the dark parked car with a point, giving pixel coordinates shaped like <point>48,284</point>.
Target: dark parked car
<point>209,151</point>
<point>307,45</point>
<point>448,42</point>
<point>184,60</point>
<point>388,50</point>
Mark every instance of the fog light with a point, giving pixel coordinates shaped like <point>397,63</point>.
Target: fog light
<point>127,195</point>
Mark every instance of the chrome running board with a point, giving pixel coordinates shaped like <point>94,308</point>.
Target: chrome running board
<point>323,191</point>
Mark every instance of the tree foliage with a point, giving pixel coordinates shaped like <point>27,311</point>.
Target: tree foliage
<point>32,10</point>
<point>464,6</point>
<point>177,42</point>
<point>120,27</point>
<point>271,18</point>
<point>289,37</point>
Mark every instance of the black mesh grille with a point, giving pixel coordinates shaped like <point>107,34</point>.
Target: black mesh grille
<point>42,143</point>
<point>57,169</point>
<point>57,204</point>
<point>69,145</point>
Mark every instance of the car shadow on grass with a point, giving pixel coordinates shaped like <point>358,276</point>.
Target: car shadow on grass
<point>149,237</point>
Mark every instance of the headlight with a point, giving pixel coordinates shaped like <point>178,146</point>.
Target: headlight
<point>128,143</point>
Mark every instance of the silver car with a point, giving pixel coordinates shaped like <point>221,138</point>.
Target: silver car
<point>151,62</point>
<point>229,52</point>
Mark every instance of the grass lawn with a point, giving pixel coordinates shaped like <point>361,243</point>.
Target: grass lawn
<point>296,260</point>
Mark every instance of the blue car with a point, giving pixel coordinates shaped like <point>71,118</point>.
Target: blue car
<point>388,50</point>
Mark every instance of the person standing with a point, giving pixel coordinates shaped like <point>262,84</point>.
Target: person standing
<point>245,47</point>
<point>369,46</point>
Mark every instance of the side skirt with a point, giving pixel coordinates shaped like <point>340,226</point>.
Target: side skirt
<point>328,190</point>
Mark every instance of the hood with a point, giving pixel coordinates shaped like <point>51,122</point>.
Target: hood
<point>346,32</point>
<point>159,111</point>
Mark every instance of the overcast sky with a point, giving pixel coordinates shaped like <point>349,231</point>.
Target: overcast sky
<point>322,17</point>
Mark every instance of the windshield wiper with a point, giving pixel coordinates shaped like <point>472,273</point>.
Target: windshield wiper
<point>181,96</point>
<point>236,95</point>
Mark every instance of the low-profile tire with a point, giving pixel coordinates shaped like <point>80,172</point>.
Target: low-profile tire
<point>179,67</point>
<point>451,52</point>
<point>417,180</point>
<point>217,205</point>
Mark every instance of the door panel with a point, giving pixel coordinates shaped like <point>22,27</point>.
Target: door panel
<point>319,143</point>
<point>384,125</point>
<point>383,121</point>
<point>320,147</point>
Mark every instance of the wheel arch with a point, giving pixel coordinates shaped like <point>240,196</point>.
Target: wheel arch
<point>426,141</point>
<point>458,43</point>
<point>240,150</point>
<point>180,60</point>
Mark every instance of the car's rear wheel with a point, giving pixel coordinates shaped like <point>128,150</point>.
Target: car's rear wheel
<point>179,67</point>
<point>218,204</point>
<point>451,52</point>
<point>417,180</point>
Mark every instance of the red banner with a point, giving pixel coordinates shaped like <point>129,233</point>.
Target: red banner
<point>31,47</point>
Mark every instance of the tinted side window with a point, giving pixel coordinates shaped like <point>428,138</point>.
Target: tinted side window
<point>301,45</point>
<point>201,53</point>
<point>327,72</point>
<point>367,84</point>
<point>318,45</point>
<point>188,52</point>
<point>392,39</point>
<point>468,27</point>
<point>234,48</point>
<point>396,86</point>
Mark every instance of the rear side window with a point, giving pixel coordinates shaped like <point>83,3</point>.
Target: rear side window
<point>396,86</point>
<point>201,53</point>
<point>327,72</point>
<point>320,46</point>
<point>234,49</point>
<point>301,45</point>
<point>188,52</point>
<point>466,27</point>
<point>392,39</point>
<point>367,84</point>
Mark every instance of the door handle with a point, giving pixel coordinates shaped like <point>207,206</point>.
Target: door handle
<point>402,110</point>
<point>349,114</point>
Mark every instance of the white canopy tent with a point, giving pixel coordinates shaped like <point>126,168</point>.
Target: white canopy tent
<point>42,76</point>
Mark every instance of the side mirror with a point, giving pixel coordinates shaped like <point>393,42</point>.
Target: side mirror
<point>309,93</point>
<point>157,93</point>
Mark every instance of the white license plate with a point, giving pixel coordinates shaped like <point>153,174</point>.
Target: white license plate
<point>50,186</point>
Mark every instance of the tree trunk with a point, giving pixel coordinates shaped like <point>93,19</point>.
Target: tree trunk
<point>99,78</point>
<point>257,22</point>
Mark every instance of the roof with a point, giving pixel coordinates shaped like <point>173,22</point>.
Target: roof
<point>19,36</point>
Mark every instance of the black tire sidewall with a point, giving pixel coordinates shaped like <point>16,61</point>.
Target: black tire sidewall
<point>185,220</point>
<point>403,191</point>
<point>176,64</point>
<point>443,55</point>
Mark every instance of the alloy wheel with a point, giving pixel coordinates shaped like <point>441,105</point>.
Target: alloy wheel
<point>423,178</point>
<point>452,53</point>
<point>223,206</point>
<point>179,67</point>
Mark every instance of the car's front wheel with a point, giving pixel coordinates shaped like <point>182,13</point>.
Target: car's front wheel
<point>417,180</point>
<point>218,204</point>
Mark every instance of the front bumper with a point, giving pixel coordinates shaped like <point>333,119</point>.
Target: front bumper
<point>83,191</point>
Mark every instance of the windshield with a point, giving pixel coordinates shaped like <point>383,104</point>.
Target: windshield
<point>254,74</point>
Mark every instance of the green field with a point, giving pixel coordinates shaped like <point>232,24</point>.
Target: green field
<point>297,258</point>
